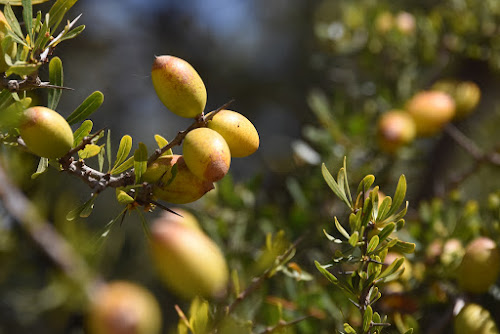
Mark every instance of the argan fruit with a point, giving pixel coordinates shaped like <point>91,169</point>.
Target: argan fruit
<point>188,261</point>
<point>239,133</point>
<point>395,129</point>
<point>186,218</point>
<point>124,308</point>
<point>480,266</point>
<point>184,188</point>
<point>405,23</point>
<point>11,50</point>
<point>466,95</point>
<point>179,86</point>
<point>45,132</point>
<point>206,154</point>
<point>430,110</point>
<point>474,319</point>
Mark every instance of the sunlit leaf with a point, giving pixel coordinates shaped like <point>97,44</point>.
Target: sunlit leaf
<point>341,229</point>
<point>72,33</point>
<point>123,151</point>
<point>127,164</point>
<point>28,17</point>
<point>13,22</point>
<point>43,164</point>
<point>87,107</point>
<point>326,273</point>
<point>58,11</point>
<point>55,78</point>
<point>123,198</point>
<point>108,149</point>
<point>140,161</point>
<point>353,240</point>
<point>89,151</point>
<point>372,244</point>
<point>20,3</point>
<point>367,318</point>
<point>82,132</point>
<point>334,186</point>
<point>399,195</point>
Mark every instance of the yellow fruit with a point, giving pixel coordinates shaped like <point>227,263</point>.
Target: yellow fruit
<point>430,110</point>
<point>239,133</point>
<point>465,93</point>
<point>206,154</point>
<point>45,132</point>
<point>124,308</point>
<point>179,86</point>
<point>480,266</point>
<point>187,260</point>
<point>184,188</point>
<point>395,129</point>
<point>4,28</point>
<point>474,319</point>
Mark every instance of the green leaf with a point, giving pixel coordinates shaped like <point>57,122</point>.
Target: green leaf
<point>386,231</point>
<point>341,229</point>
<point>123,151</point>
<point>108,149</point>
<point>347,180</point>
<point>140,161</point>
<point>43,35</point>
<point>28,18</point>
<point>393,267</point>
<point>353,240</point>
<point>348,329</point>
<point>410,331</point>
<point>326,273</point>
<point>372,245</point>
<point>199,315</point>
<point>366,183</point>
<point>13,22</point>
<point>87,107</point>
<point>100,158</point>
<point>162,142</point>
<point>384,208</point>
<point>89,151</point>
<point>404,247</point>
<point>72,33</point>
<point>145,225</point>
<point>82,211</point>
<point>6,99</point>
<point>123,198</point>
<point>55,78</point>
<point>399,195</point>
<point>367,318</point>
<point>58,10</point>
<point>334,186</point>
<point>42,168</point>
<point>82,132</point>
<point>22,68</point>
<point>129,163</point>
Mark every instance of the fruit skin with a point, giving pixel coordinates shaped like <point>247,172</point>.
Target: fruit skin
<point>45,132</point>
<point>395,129</point>
<point>480,266</point>
<point>430,110</point>
<point>4,28</point>
<point>465,93</point>
<point>124,308</point>
<point>187,219</point>
<point>474,319</point>
<point>206,154</point>
<point>187,260</point>
<point>184,188</point>
<point>238,132</point>
<point>178,86</point>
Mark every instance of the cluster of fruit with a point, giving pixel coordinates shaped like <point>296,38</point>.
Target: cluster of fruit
<point>187,260</point>
<point>206,150</point>
<point>426,113</point>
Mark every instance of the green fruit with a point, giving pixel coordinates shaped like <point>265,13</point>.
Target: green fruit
<point>184,188</point>
<point>187,260</point>
<point>124,308</point>
<point>480,266</point>
<point>179,86</point>
<point>45,132</point>
<point>474,319</point>
<point>430,110</point>
<point>238,132</point>
<point>206,154</point>
<point>186,218</point>
<point>395,129</point>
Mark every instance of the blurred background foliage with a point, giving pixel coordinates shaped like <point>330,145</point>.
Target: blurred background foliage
<point>313,76</point>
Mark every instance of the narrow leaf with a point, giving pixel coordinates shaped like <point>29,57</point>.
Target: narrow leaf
<point>334,186</point>
<point>123,150</point>
<point>372,245</point>
<point>366,183</point>
<point>341,229</point>
<point>13,22</point>
<point>82,132</point>
<point>19,2</point>
<point>162,142</point>
<point>348,190</point>
<point>55,78</point>
<point>140,161</point>
<point>386,231</point>
<point>404,247</point>
<point>353,240</point>
<point>72,33</point>
<point>108,149</point>
<point>326,273</point>
<point>28,18</point>
<point>100,158</point>
<point>58,10</point>
<point>399,195</point>
<point>367,318</point>
<point>89,151</point>
<point>87,107</point>
<point>42,168</point>
<point>129,163</point>
<point>393,267</point>
<point>82,211</point>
